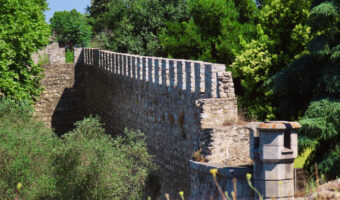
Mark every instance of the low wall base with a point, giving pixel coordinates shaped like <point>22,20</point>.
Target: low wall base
<point>204,187</point>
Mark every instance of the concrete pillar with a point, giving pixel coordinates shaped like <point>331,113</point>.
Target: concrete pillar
<point>274,154</point>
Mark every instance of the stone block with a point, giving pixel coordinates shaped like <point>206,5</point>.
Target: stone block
<point>277,138</point>
<point>272,138</point>
<point>293,139</point>
<point>273,171</point>
<point>276,189</point>
<point>269,153</point>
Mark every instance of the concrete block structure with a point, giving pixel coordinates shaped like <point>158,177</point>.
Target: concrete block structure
<point>274,157</point>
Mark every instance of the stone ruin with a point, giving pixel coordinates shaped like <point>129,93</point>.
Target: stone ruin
<point>188,111</point>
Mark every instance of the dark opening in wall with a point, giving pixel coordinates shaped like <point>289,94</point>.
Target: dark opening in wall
<point>287,142</point>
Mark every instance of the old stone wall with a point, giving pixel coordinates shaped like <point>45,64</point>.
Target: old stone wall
<point>229,179</point>
<point>51,54</point>
<point>182,106</point>
<point>187,110</point>
<point>178,104</point>
<point>228,145</point>
<point>60,104</point>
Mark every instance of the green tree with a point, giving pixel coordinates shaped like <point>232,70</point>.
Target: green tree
<point>132,26</point>
<point>23,31</point>
<point>213,31</point>
<point>282,36</point>
<point>71,28</point>
<point>310,88</point>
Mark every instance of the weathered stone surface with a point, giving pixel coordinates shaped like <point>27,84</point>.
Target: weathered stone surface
<point>227,145</point>
<point>274,171</point>
<point>204,187</point>
<point>328,191</point>
<point>276,189</point>
<point>182,106</point>
<point>172,101</point>
<point>277,138</point>
<point>52,53</point>
<point>159,98</point>
<point>61,103</point>
<point>274,159</point>
<point>272,153</point>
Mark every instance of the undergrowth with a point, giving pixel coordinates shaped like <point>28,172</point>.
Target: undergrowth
<point>85,163</point>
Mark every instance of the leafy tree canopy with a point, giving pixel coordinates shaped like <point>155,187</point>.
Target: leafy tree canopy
<point>132,26</point>
<point>310,87</point>
<point>71,28</point>
<point>212,33</point>
<point>282,35</point>
<point>23,31</point>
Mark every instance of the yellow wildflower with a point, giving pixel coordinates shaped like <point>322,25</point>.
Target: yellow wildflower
<point>19,185</point>
<point>213,172</point>
<point>248,176</point>
<point>181,193</point>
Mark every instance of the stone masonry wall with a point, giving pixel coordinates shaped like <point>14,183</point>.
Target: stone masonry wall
<point>187,110</point>
<point>229,179</point>
<point>52,54</point>
<point>176,103</point>
<point>60,104</point>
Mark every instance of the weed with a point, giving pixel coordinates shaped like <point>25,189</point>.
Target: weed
<point>252,187</point>
<point>69,56</point>
<point>198,156</point>
<point>43,59</point>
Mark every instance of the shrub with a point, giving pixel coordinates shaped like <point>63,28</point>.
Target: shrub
<point>92,165</point>
<point>85,163</point>
<point>27,150</point>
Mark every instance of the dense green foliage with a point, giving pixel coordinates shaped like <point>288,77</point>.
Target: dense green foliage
<point>320,132</point>
<point>132,26</point>
<point>284,55</point>
<point>23,31</point>
<point>83,164</point>
<point>312,83</point>
<point>92,165</point>
<point>27,149</point>
<point>71,28</point>
<point>212,33</point>
<point>281,36</point>
<point>69,56</point>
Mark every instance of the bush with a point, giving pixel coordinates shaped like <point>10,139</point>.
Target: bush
<point>27,151</point>
<point>92,165</point>
<point>83,164</point>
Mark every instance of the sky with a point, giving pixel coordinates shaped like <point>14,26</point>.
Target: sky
<point>61,5</point>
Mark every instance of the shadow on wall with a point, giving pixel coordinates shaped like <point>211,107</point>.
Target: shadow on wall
<point>70,107</point>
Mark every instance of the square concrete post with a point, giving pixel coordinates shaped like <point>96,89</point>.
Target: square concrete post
<point>274,157</point>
